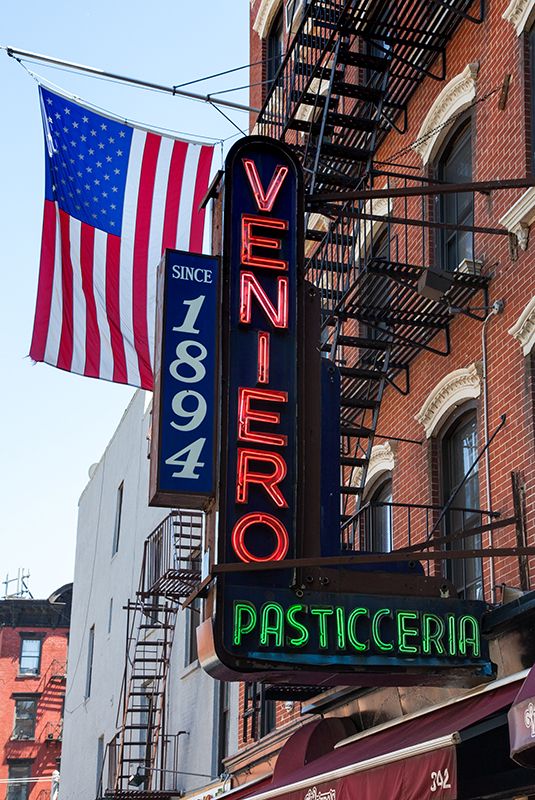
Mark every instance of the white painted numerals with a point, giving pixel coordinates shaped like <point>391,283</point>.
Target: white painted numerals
<point>440,780</point>
<point>188,405</point>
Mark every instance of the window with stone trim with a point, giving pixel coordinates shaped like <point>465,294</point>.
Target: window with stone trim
<point>25,717</point>
<point>18,787</point>
<point>454,165</point>
<point>274,47</point>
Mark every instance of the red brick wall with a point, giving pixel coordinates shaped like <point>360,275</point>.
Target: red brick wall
<point>44,752</point>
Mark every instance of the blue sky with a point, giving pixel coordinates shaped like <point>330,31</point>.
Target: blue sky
<point>56,424</point>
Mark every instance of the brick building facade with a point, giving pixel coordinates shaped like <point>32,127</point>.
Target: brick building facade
<point>33,661</point>
<point>467,117</point>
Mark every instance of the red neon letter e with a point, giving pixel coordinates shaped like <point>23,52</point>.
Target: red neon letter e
<point>246,415</point>
<point>250,240</point>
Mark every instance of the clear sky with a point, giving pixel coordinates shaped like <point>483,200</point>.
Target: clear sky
<point>57,424</point>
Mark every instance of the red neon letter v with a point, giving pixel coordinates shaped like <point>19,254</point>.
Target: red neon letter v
<point>264,200</point>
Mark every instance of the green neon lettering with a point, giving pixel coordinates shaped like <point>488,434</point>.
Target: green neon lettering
<point>351,632</point>
<point>376,632</point>
<point>245,618</point>
<point>301,640</point>
<point>433,630</point>
<point>274,628</point>
<point>465,639</point>
<point>452,636</point>
<point>404,632</point>
<point>322,614</point>
<point>340,628</point>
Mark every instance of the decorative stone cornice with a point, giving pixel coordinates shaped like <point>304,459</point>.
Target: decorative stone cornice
<point>454,389</point>
<point>520,216</point>
<point>520,14</point>
<point>524,328</point>
<point>381,460</point>
<point>457,95</point>
<point>265,15</point>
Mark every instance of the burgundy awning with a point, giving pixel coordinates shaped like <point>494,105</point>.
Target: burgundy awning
<point>521,719</point>
<point>413,758</point>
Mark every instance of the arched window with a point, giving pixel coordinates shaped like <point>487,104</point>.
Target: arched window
<point>377,293</point>
<point>275,44</point>
<point>379,520</point>
<point>459,452</point>
<point>455,166</point>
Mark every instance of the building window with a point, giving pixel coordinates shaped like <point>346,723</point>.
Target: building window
<point>118,512</point>
<point>379,529</point>
<point>192,622</point>
<point>110,615</point>
<point>378,293</point>
<point>90,652</point>
<point>259,713</point>
<point>532,93</point>
<point>25,716</point>
<point>224,723</point>
<point>459,452</point>
<point>455,166</point>
<point>30,655</point>
<point>275,46</point>
<point>100,762</point>
<point>19,774</point>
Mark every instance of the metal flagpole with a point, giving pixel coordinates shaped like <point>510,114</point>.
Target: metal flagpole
<point>205,98</point>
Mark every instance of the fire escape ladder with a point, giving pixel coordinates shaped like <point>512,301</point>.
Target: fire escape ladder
<point>149,652</point>
<point>364,374</point>
<point>170,572</point>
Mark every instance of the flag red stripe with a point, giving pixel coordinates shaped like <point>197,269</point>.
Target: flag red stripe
<point>66,340</point>
<point>174,190</point>
<point>141,250</point>
<point>113,259</point>
<point>46,281</point>
<point>92,334</point>
<point>201,187</point>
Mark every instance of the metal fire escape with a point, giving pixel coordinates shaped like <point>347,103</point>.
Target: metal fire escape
<point>344,83</point>
<point>136,759</point>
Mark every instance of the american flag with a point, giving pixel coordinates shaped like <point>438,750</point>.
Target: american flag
<point>116,196</point>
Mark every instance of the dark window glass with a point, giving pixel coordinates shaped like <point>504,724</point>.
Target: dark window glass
<point>19,790</point>
<point>118,512</point>
<point>224,723</point>
<point>275,45</point>
<point>30,656</point>
<point>455,166</point>
<point>532,93</point>
<point>378,291</point>
<point>25,716</point>
<point>90,651</point>
<point>192,623</point>
<point>459,452</point>
<point>380,528</point>
<point>100,759</point>
<point>259,713</point>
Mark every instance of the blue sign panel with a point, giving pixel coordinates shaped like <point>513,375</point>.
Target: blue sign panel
<point>183,437</point>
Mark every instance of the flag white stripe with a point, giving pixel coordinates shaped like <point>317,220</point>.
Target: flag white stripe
<point>127,254</point>
<point>56,305</point>
<point>156,234</point>
<point>78,299</point>
<point>186,197</point>
<point>99,291</point>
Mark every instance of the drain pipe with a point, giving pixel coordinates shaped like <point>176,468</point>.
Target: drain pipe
<point>497,308</point>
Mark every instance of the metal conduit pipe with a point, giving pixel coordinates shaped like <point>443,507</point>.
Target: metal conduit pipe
<point>497,308</point>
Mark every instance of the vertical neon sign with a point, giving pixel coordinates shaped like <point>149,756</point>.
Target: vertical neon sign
<point>261,345</point>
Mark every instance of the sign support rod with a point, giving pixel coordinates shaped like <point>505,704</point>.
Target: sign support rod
<point>160,87</point>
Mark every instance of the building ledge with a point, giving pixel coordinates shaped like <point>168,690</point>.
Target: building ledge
<point>509,617</point>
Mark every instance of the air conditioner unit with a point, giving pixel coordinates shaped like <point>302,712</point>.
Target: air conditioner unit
<point>294,14</point>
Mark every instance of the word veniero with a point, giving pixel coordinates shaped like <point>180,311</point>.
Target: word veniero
<point>385,631</point>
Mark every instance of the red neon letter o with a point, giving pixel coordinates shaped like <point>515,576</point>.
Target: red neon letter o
<point>257,518</point>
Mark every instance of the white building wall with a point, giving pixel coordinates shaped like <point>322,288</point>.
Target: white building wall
<point>193,697</point>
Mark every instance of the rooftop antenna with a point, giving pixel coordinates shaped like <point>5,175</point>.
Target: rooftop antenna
<point>22,590</point>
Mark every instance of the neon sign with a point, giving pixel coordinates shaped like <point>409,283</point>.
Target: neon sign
<point>260,355</point>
